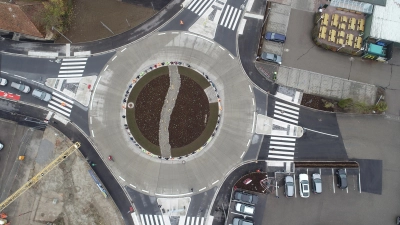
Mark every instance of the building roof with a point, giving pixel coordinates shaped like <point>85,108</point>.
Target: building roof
<point>386,21</point>
<point>13,19</point>
<point>353,5</point>
<point>374,2</point>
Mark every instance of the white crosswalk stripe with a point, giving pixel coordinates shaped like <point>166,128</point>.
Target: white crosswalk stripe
<point>230,17</point>
<point>282,148</point>
<point>199,6</point>
<point>148,219</point>
<point>61,104</point>
<point>72,67</point>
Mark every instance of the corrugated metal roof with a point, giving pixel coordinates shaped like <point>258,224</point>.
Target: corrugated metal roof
<point>374,2</point>
<point>353,5</point>
<point>386,21</point>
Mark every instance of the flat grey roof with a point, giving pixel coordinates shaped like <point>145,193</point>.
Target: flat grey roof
<point>386,22</point>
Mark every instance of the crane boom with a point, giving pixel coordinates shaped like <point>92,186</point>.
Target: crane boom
<point>39,176</point>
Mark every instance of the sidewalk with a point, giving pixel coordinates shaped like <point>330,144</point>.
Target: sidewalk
<point>326,86</point>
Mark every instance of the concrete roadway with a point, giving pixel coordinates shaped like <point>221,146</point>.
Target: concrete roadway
<point>206,168</point>
<point>302,53</point>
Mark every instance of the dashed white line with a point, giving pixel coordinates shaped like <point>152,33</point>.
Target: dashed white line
<point>214,182</point>
<point>250,89</point>
<point>20,76</point>
<point>90,120</point>
<point>114,58</point>
<point>4,72</point>
<point>253,101</point>
<point>221,48</point>
<point>161,33</point>
<point>242,155</point>
<point>106,68</point>
<point>133,185</point>
<point>145,191</point>
<point>175,32</point>
<point>231,56</point>
<point>92,133</point>
<point>94,91</point>
<point>37,82</point>
<point>248,143</point>
<point>121,178</point>
<point>123,50</point>
<point>254,121</point>
<point>202,188</point>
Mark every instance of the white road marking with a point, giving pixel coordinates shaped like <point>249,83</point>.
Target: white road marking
<point>114,58</point>
<point>284,118</point>
<point>71,67</point>
<point>202,189</point>
<point>280,147</point>
<point>123,50</point>
<point>321,132</point>
<point>248,142</point>
<point>121,178</point>
<point>133,185</point>
<point>242,155</point>
<point>253,101</point>
<point>73,63</point>
<point>58,110</point>
<point>221,48</point>
<point>281,153</point>
<point>75,59</point>
<point>287,105</point>
<point>145,191</point>
<point>20,76</point>
<point>250,89</point>
<point>71,71</point>
<point>286,110</point>
<point>283,138</point>
<point>282,143</point>
<point>214,182</point>
<point>280,157</point>
<point>70,75</point>
<point>106,68</point>
<point>92,133</point>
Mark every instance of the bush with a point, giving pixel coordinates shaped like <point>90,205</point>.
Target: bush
<point>327,104</point>
<point>57,14</point>
<point>380,107</point>
<point>345,103</point>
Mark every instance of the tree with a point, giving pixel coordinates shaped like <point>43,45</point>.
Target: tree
<point>52,14</point>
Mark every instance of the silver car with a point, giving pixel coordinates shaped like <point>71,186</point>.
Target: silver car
<point>289,186</point>
<point>271,57</point>
<point>317,183</point>
<point>21,87</point>
<point>3,82</point>
<point>41,95</point>
<point>248,209</point>
<point>239,221</point>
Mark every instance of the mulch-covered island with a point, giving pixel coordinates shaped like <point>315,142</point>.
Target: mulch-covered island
<point>254,185</point>
<point>193,118</point>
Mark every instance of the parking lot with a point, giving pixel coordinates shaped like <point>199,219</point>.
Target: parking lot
<point>257,218</point>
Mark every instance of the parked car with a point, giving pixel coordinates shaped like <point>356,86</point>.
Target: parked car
<point>271,57</point>
<point>239,221</point>
<point>21,87</point>
<point>398,220</point>
<point>1,146</point>
<point>289,186</point>
<point>3,82</point>
<point>246,197</point>
<point>317,183</point>
<point>248,209</point>
<point>304,185</point>
<point>271,36</point>
<point>341,178</point>
<point>41,95</point>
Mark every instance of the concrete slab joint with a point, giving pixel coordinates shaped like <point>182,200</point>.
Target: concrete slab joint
<point>166,111</point>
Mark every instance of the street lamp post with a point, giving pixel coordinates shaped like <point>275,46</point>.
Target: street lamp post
<point>341,47</point>
<point>361,49</point>
<point>53,28</point>
<point>320,19</point>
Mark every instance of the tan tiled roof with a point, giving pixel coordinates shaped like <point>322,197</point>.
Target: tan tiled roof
<point>13,19</point>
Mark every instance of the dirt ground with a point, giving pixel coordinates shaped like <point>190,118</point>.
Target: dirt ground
<point>117,16</point>
<point>67,195</point>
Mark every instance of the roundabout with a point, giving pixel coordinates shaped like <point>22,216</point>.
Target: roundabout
<point>200,170</point>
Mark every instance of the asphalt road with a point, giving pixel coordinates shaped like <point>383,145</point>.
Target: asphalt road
<point>248,47</point>
<point>31,116</point>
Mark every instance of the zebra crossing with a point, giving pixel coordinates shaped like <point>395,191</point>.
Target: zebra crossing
<point>61,104</point>
<point>230,17</point>
<point>148,219</point>
<point>282,148</point>
<point>72,67</point>
<point>199,6</point>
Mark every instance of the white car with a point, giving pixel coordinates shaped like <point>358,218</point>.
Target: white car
<point>248,209</point>
<point>3,82</point>
<point>304,185</point>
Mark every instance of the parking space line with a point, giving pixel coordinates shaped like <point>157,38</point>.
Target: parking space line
<point>359,180</point>
<point>347,189</point>
<point>294,184</point>
<point>333,181</point>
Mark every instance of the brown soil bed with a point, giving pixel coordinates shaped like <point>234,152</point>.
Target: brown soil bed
<point>190,115</point>
<point>314,102</point>
<point>148,107</point>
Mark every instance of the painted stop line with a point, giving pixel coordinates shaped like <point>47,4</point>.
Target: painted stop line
<point>10,95</point>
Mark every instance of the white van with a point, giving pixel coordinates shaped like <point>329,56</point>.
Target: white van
<point>21,87</point>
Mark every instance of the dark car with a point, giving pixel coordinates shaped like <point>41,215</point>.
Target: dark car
<point>270,36</point>
<point>341,178</point>
<point>246,197</point>
<point>271,57</point>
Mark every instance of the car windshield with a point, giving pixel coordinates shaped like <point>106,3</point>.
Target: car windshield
<point>317,181</point>
<point>275,56</point>
<point>343,175</point>
<point>289,184</point>
<point>305,187</point>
